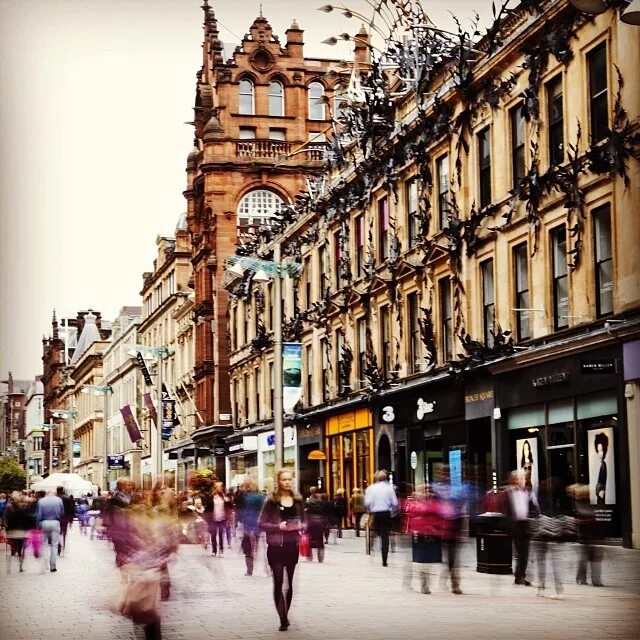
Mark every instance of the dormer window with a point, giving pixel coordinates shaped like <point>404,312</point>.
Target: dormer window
<point>316,104</point>
<point>245,95</point>
<point>276,98</point>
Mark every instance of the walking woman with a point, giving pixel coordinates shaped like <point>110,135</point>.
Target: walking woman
<point>218,523</point>
<point>282,518</point>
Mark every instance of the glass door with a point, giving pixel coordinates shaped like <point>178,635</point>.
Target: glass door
<point>348,475</point>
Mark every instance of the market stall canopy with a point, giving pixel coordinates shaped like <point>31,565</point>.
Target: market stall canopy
<point>73,484</point>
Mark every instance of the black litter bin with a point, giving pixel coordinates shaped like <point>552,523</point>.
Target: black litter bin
<point>493,544</point>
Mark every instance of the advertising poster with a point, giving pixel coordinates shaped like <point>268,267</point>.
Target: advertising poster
<point>527,460</point>
<point>76,449</point>
<point>455,472</point>
<point>291,375</point>
<point>602,471</point>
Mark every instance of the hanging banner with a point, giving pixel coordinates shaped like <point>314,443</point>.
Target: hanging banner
<point>143,368</point>
<point>148,402</point>
<point>168,417</point>
<point>76,449</point>
<point>130,423</point>
<point>292,375</point>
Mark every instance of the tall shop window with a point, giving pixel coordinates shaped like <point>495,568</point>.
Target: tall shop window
<point>446,319</point>
<point>560,278</point>
<point>603,260</point>
<point>555,118</point>
<point>339,358</point>
<point>360,246</point>
<point>484,168</point>
<point>414,333</point>
<point>488,301</point>
<point>316,106</point>
<point>598,93</point>
<point>442,174</point>
<point>324,270</point>
<point>517,145</point>
<point>521,291</point>
<point>324,347</point>
<point>413,223</point>
<point>246,101</point>
<point>383,229</point>
<point>308,351</point>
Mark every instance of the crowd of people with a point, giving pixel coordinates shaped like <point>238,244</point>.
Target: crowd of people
<point>146,528</point>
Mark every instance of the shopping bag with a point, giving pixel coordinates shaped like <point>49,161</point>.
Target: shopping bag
<point>141,594</point>
<point>305,545</point>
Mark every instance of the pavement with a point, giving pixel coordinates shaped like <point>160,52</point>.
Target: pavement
<point>350,596</point>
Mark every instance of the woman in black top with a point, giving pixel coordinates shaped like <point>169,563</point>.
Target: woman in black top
<point>282,518</point>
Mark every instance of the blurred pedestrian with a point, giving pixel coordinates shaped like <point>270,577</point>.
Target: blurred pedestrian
<point>339,508</point>
<point>381,501</point>
<point>119,525</point>
<point>317,523</point>
<point>549,532</point>
<point>356,506</point>
<point>282,518</point>
<point>249,508</point>
<point>521,505</point>
<point>590,555</point>
<point>49,513</point>
<point>424,517</point>
<point>18,521</point>
<point>218,521</point>
<point>451,533</point>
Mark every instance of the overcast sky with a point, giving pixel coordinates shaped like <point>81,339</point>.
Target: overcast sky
<point>93,145</point>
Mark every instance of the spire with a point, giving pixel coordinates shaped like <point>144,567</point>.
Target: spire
<point>261,10</point>
<point>54,324</point>
<point>210,22</point>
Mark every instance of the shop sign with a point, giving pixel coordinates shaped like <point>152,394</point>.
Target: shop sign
<point>478,399</point>
<point>250,443</point>
<point>268,439</point>
<point>225,416</point>
<point>115,462</point>
<point>425,408</point>
<point>597,366</point>
<point>388,414</point>
<point>236,447</point>
<point>291,375</point>
<point>554,378</point>
<point>142,365</point>
<point>414,460</point>
<point>76,449</point>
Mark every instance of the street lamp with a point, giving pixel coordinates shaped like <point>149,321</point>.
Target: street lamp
<point>159,353</point>
<point>102,390</point>
<point>70,416</point>
<point>265,271</point>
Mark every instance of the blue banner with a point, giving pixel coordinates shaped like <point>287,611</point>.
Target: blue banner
<point>291,375</point>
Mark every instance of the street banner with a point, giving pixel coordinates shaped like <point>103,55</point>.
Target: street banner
<point>143,368</point>
<point>130,423</point>
<point>76,449</point>
<point>292,375</point>
<point>168,417</point>
<point>148,402</point>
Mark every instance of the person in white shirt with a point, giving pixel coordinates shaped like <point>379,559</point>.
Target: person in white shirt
<point>522,504</point>
<point>381,501</point>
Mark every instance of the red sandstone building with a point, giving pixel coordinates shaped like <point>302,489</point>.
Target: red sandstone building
<point>261,124</point>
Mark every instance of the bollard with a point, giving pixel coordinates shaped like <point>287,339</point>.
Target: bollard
<point>367,538</point>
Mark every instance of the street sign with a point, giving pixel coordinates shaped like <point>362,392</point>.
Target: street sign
<point>143,368</point>
<point>115,462</point>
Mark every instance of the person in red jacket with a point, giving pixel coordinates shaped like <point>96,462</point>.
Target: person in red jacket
<point>424,520</point>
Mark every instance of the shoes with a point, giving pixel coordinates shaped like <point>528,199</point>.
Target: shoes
<point>214,554</point>
<point>457,591</point>
<point>523,582</point>
<point>425,591</point>
<point>384,564</point>
<point>53,570</point>
<point>597,584</point>
<point>284,625</point>
<point>581,582</point>
<point>557,596</point>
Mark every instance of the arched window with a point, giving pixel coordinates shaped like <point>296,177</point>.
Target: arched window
<point>316,106</point>
<point>245,94</point>
<point>258,207</point>
<point>339,98</point>
<point>276,98</point>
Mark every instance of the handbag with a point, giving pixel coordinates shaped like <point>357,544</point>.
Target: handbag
<point>305,545</point>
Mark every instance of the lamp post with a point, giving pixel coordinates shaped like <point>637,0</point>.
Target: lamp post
<point>68,415</point>
<point>159,353</point>
<point>104,391</point>
<point>265,271</point>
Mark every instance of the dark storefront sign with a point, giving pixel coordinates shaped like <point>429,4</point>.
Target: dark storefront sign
<point>115,462</point>
<point>144,370</point>
<point>598,366</point>
<point>478,398</point>
<point>424,405</point>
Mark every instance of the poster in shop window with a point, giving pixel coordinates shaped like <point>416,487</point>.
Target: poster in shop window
<point>602,471</point>
<point>527,460</point>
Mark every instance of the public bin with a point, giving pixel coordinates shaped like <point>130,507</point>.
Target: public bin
<point>493,544</point>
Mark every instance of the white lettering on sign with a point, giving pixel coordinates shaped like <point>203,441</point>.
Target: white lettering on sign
<point>387,414</point>
<point>425,408</point>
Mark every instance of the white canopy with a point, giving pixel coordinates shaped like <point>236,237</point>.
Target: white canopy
<point>73,484</point>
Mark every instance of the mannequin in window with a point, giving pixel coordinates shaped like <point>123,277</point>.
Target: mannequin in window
<point>601,444</point>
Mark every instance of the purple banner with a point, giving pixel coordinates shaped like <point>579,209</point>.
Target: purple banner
<point>153,414</point>
<point>131,424</point>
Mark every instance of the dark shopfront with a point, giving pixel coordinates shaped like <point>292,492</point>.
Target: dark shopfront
<point>565,419</point>
<point>432,438</point>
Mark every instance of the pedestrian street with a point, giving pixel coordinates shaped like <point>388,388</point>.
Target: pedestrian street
<point>350,596</point>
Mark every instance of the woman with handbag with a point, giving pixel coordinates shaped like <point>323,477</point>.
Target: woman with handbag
<point>282,518</point>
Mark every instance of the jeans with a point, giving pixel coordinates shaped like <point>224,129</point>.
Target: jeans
<point>382,523</point>
<point>217,530</point>
<point>51,528</point>
<point>357,518</point>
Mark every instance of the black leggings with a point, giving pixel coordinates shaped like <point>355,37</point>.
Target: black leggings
<point>282,559</point>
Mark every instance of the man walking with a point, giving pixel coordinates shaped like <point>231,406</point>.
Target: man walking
<point>381,501</point>
<point>67,519</point>
<point>49,513</point>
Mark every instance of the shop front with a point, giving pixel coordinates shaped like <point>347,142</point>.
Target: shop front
<point>267,457</point>
<point>428,426</point>
<point>563,422</point>
<point>310,470</point>
<point>242,460</point>
<point>349,448</point>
